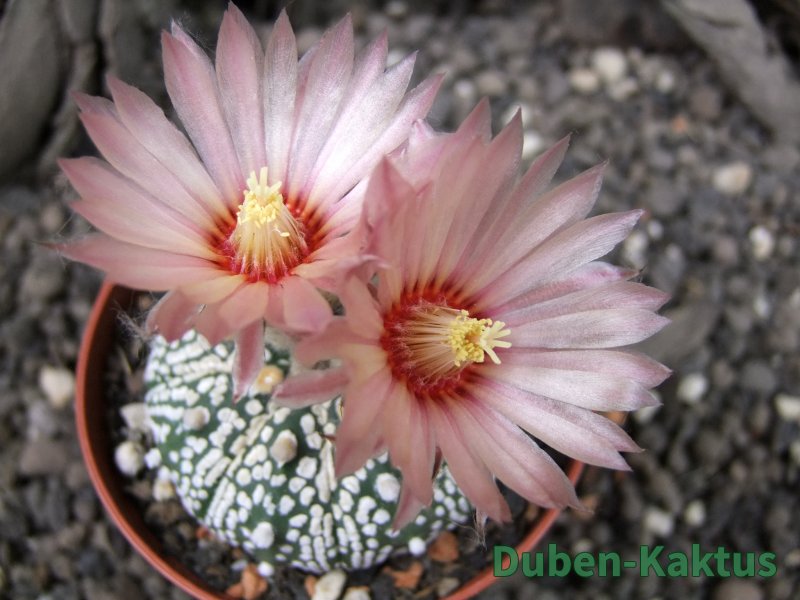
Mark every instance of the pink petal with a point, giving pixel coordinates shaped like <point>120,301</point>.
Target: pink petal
<point>512,455</point>
<point>148,124</point>
<point>591,275</point>
<point>619,363</point>
<point>565,205</point>
<point>238,310</point>
<point>360,305</point>
<point>409,437</point>
<point>356,129</point>
<point>239,68</point>
<point>328,75</point>
<point>213,290</point>
<point>619,294</point>
<point>595,391</point>
<point>135,266</point>
<point>562,253</point>
<point>192,86</point>
<point>329,343</point>
<point>280,86</point>
<point>118,207</point>
<point>488,185</point>
<point>407,508</point>
<point>310,387</point>
<point>130,158</point>
<point>573,431</point>
<point>470,473</point>
<point>605,328</point>
<point>363,406</point>
<point>95,104</point>
<point>507,211</point>
<point>172,316</point>
<point>248,357</point>
<point>304,308</point>
<point>478,123</point>
<point>415,105</point>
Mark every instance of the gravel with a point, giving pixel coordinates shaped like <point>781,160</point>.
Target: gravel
<point>721,465</point>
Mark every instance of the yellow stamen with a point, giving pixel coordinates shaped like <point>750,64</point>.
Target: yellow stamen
<point>470,338</point>
<point>437,341</point>
<point>267,240</point>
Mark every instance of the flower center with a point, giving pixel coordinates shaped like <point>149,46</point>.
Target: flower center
<point>430,345</point>
<point>267,241</point>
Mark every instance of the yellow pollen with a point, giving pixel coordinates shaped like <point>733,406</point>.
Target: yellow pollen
<point>267,240</point>
<point>469,339</point>
<point>262,202</point>
<point>431,342</point>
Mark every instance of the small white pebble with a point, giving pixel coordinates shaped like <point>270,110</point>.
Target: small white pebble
<point>135,416</point>
<point>792,559</point>
<point>532,144</point>
<point>465,89</point>
<point>762,306</point>
<point>646,414</point>
<point>655,229</point>
<point>658,522</point>
<point>584,81</point>
<point>635,248</point>
<point>446,585</point>
<point>762,241</point>
<point>196,418</point>
<point>622,90</point>
<point>692,388</point>
<point>526,114</point>
<point>695,513</point>
<point>610,64</point>
<point>357,593</point>
<point>330,585</point>
<point>129,458</point>
<point>794,451</point>
<point>58,385</point>
<point>665,81</point>
<point>788,407</point>
<point>732,179</point>
<point>284,448</point>
<point>163,489</point>
<point>153,458</point>
<point>417,546</point>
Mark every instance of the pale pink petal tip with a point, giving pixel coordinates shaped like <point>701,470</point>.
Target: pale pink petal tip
<point>312,387</point>
<point>248,358</point>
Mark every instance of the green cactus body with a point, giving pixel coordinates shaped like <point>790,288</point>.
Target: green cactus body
<point>261,476</point>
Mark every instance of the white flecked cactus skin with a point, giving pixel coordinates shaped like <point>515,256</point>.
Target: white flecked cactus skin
<point>261,476</point>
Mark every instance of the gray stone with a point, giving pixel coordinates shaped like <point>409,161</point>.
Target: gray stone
<point>78,19</point>
<point>43,457</point>
<point>663,198</point>
<point>705,102</point>
<point>757,376</point>
<point>690,327</point>
<point>738,589</point>
<point>43,280</point>
<point>28,36</point>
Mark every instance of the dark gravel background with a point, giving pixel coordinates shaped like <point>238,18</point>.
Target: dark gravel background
<point>721,235</point>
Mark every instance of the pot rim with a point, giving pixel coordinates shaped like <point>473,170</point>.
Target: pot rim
<point>109,484</point>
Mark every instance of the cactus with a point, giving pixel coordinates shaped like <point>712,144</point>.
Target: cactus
<point>261,476</point>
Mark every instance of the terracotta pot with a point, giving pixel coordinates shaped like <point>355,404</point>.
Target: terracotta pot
<point>96,446</point>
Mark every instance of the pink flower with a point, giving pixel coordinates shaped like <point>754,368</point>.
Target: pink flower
<point>491,315</point>
<point>237,223</point>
